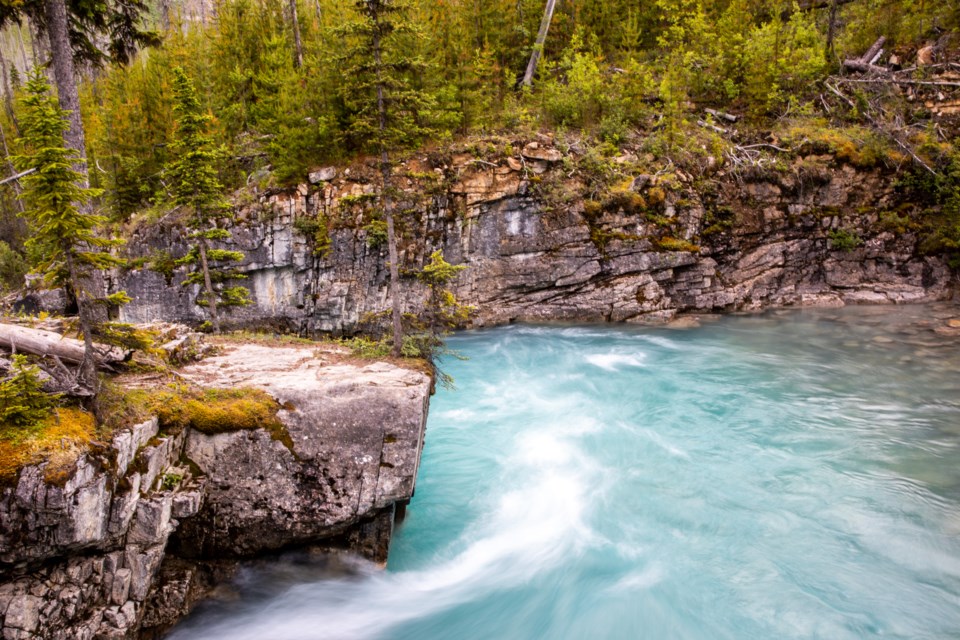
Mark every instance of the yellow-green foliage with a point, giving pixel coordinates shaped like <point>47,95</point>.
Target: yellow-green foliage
<point>630,202</point>
<point>853,144</point>
<point>676,244</point>
<point>206,410</point>
<point>59,439</point>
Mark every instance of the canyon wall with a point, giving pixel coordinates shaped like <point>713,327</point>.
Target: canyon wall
<point>537,248</point>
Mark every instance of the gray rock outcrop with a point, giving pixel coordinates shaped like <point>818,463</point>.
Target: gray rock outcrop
<point>749,240</point>
<point>351,451</point>
<point>78,557</point>
<point>118,546</point>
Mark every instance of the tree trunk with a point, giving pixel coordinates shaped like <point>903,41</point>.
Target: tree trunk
<point>87,377</point>
<point>211,295</point>
<point>538,47</point>
<point>13,170</point>
<point>385,195</point>
<point>297,42</point>
<point>831,30</point>
<point>48,343</point>
<point>8,95</point>
<point>66,79</point>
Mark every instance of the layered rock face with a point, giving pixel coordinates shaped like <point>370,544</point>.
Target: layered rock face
<point>78,559</point>
<point>350,451</point>
<point>116,548</point>
<point>730,242</point>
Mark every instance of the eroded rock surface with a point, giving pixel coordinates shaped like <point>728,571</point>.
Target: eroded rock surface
<point>78,557</point>
<point>351,448</point>
<point>745,241</point>
<point>122,546</point>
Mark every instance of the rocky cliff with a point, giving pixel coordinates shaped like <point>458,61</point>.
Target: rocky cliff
<point>115,549</point>
<point>543,242</point>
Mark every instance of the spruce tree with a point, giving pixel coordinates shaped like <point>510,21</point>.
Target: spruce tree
<point>196,187</point>
<point>379,88</point>
<point>61,233</point>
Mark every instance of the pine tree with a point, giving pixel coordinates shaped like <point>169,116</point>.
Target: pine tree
<point>380,89</point>
<point>197,188</point>
<point>61,233</point>
<point>23,402</point>
<point>443,312</point>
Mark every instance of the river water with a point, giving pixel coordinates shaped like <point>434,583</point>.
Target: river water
<point>782,475</point>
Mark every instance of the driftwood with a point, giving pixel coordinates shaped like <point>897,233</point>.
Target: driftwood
<point>868,61</point>
<point>47,343</point>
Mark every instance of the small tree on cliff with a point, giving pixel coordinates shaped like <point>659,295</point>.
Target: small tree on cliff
<point>442,313</point>
<point>379,89</point>
<point>61,233</point>
<point>197,188</point>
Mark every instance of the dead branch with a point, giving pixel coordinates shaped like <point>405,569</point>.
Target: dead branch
<point>928,83</point>
<point>712,127</point>
<point>763,144</point>
<point>729,117</point>
<point>867,62</point>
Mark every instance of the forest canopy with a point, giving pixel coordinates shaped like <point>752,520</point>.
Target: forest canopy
<point>270,74</point>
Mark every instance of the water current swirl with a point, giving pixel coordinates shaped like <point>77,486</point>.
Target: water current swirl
<point>783,475</point>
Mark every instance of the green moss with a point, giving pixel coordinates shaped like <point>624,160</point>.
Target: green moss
<point>675,244</point>
<point>718,220</point>
<point>59,440</point>
<point>601,238</point>
<point>630,202</point>
<point>209,411</point>
<point>896,223</point>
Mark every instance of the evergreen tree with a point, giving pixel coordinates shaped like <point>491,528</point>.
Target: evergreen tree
<point>23,402</point>
<point>197,188</point>
<point>61,233</point>
<point>443,311</point>
<point>380,89</point>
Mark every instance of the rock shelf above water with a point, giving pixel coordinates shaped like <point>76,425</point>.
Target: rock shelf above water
<point>118,546</point>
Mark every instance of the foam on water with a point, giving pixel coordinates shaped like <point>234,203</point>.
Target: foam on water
<point>614,361</point>
<point>754,478</point>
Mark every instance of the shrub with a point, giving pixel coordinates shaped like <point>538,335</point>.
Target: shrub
<point>844,240</point>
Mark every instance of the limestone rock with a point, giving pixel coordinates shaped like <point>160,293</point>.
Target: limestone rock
<point>533,255</point>
<point>535,151</point>
<point>351,448</point>
<point>322,175</point>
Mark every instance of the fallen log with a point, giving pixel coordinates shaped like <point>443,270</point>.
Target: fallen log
<point>712,127</point>
<point>863,67</point>
<point>729,117</point>
<point>47,343</point>
<point>868,61</point>
<point>871,54</point>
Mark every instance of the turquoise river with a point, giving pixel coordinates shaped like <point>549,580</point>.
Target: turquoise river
<point>780,475</point>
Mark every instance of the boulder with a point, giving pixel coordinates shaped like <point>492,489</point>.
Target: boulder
<point>535,151</point>
<point>322,175</point>
<point>348,449</point>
